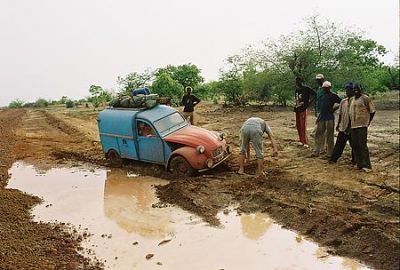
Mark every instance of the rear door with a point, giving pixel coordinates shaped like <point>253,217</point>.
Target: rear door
<point>150,144</point>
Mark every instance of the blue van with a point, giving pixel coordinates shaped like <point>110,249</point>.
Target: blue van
<point>160,135</point>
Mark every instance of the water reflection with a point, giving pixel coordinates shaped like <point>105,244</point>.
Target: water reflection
<point>128,201</point>
<point>114,204</point>
<point>255,225</point>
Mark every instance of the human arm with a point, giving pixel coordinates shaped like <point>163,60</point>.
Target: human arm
<point>371,116</point>
<point>274,144</point>
<point>340,119</point>
<point>371,109</point>
<point>312,95</point>
<point>338,100</point>
<point>196,100</point>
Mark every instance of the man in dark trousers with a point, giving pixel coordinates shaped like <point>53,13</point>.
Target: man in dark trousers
<point>302,97</point>
<point>361,112</point>
<point>343,126</point>
<point>326,120</point>
<point>189,101</point>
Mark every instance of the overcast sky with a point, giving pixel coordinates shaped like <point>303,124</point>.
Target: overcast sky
<point>51,48</point>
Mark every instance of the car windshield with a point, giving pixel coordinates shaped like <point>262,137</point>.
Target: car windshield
<point>168,123</point>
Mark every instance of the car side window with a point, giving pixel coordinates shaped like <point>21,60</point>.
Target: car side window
<point>144,129</point>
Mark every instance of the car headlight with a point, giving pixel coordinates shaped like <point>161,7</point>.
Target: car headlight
<point>221,136</point>
<point>210,163</point>
<point>200,149</point>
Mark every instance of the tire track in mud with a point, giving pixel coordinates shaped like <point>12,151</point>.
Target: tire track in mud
<point>26,244</point>
<point>44,137</point>
<point>342,220</point>
<point>338,209</point>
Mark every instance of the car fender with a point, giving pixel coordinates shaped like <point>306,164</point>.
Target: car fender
<point>195,159</point>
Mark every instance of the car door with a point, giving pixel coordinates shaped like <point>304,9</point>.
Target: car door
<point>150,144</point>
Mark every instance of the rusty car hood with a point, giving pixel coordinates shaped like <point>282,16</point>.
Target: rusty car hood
<point>195,136</point>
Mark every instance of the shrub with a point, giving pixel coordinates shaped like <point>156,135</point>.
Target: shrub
<point>69,104</point>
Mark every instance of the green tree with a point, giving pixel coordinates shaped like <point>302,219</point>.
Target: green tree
<point>16,104</point>
<point>135,80</point>
<point>63,99</point>
<point>231,86</point>
<point>208,90</point>
<point>164,85</point>
<point>186,75</point>
<point>98,95</point>
<point>268,69</point>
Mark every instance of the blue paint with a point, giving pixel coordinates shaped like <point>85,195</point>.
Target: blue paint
<point>118,131</point>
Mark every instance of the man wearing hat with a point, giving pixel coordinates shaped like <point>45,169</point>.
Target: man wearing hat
<point>361,112</point>
<point>326,120</point>
<point>319,79</point>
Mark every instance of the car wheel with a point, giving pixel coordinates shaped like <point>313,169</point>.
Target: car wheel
<point>180,166</point>
<point>114,157</point>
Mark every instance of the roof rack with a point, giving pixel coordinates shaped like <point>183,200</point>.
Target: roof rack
<point>128,109</point>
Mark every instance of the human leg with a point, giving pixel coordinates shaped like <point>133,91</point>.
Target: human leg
<point>330,136</point>
<point>355,142</point>
<point>319,136</point>
<point>301,126</point>
<point>353,159</point>
<point>192,118</point>
<point>364,152</point>
<point>244,147</point>
<point>257,142</point>
<point>339,146</point>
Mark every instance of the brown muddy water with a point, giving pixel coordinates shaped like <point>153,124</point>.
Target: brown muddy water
<point>130,229</point>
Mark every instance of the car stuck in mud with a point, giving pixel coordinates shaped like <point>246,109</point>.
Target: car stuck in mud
<point>160,135</point>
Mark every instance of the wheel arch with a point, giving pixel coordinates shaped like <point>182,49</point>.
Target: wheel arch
<point>195,159</point>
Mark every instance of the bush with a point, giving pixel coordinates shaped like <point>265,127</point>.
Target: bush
<point>16,104</point>
<point>41,102</point>
<point>69,104</point>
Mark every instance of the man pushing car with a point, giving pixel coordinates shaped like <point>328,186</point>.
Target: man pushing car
<point>252,132</point>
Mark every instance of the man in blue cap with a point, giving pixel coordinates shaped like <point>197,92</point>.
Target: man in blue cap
<point>343,126</point>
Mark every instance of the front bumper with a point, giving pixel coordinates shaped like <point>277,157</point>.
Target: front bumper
<point>216,164</point>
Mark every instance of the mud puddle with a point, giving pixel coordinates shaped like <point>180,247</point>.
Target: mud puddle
<point>129,229</point>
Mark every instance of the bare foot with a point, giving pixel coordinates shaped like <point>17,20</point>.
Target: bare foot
<point>260,175</point>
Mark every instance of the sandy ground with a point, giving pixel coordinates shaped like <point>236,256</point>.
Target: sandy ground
<point>352,213</point>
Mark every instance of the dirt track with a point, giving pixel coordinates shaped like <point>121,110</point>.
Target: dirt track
<point>355,214</point>
<point>26,244</point>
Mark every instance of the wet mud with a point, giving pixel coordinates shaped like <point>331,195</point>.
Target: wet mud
<point>129,228</point>
<point>350,213</point>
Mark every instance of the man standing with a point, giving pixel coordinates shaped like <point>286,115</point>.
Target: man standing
<point>326,120</point>
<point>319,78</point>
<point>189,101</point>
<point>252,132</point>
<point>361,112</point>
<point>343,126</point>
<point>302,97</point>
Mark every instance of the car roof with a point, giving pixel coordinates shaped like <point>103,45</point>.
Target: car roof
<point>157,112</point>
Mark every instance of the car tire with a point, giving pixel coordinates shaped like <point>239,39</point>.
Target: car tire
<point>179,166</point>
<point>114,158</point>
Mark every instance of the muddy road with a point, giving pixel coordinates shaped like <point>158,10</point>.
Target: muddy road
<point>352,213</point>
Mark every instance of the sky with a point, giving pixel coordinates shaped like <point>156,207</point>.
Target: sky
<point>52,48</point>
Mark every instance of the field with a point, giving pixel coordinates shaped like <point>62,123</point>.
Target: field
<point>353,213</point>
